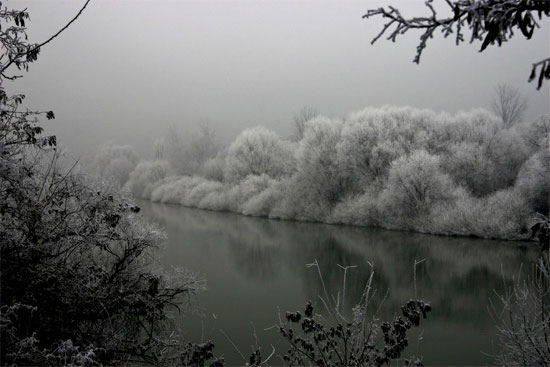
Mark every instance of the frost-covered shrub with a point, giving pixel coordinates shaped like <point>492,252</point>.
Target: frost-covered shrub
<point>480,153</point>
<point>116,162</point>
<point>456,217</point>
<point>522,319</point>
<point>396,167</point>
<point>290,203</point>
<point>169,190</point>
<point>415,184</point>
<point>359,210</point>
<point>504,214</point>
<point>262,203</point>
<point>405,128</point>
<point>198,193</point>
<point>258,151</point>
<point>213,169</point>
<point>469,165</point>
<point>144,177</point>
<point>477,126</point>
<point>216,200</point>
<point>321,179</point>
<point>176,190</point>
<point>252,185</point>
<point>537,134</point>
<point>365,153</point>
<point>508,151</point>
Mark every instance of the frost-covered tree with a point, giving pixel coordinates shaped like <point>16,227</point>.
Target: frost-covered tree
<point>187,153</point>
<point>488,21</point>
<point>537,134</point>
<point>373,138</point>
<point>258,151</point>
<point>159,147</point>
<point>203,146</point>
<point>301,118</point>
<point>509,104</point>
<point>175,149</point>
<point>143,178</point>
<point>469,165</point>
<point>116,162</point>
<point>508,151</point>
<point>342,171</point>
<point>319,168</point>
<point>415,184</point>
<point>213,168</point>
<point>479,153</point>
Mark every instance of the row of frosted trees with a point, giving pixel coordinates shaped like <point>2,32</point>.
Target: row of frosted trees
<point>401,168</point>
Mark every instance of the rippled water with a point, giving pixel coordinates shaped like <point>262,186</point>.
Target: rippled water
<point>255,267</point>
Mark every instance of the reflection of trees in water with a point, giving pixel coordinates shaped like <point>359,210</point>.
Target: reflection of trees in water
<point>255,261</point>
<point>478,284</point>
<point>457,277</point>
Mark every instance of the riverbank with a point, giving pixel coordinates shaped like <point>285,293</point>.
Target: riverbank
<point>393,167</point>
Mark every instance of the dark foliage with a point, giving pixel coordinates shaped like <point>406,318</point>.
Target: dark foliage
<point>77,277</point>
<point>349,343</point>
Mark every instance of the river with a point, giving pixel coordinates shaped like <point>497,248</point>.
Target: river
<point>256,267</point>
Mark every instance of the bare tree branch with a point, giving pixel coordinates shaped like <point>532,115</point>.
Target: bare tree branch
<point>30,52</point>
<point>489,22</point>
<point>509,104</point>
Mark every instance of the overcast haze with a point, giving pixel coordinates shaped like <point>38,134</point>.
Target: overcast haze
<point>126,70</point>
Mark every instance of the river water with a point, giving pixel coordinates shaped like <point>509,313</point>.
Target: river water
<point>256,267</point>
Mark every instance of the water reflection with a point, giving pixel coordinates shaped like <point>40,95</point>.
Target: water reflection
<point>254,265</point>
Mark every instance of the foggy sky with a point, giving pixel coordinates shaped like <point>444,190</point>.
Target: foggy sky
<point>126,70</point>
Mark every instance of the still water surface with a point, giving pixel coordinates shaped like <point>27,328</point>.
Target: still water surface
<point>255,267</point>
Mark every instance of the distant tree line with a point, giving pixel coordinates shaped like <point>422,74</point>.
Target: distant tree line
<point>472,173</point>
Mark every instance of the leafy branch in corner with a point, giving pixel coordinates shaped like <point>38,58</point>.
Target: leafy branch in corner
<point>488,21</point>
<point>15,48</point>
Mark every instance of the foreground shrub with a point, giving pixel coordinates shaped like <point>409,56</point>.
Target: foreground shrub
<point>78,279</point>
<point>77,270</point>
<point>336,339</point>
<point>522,319</point>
